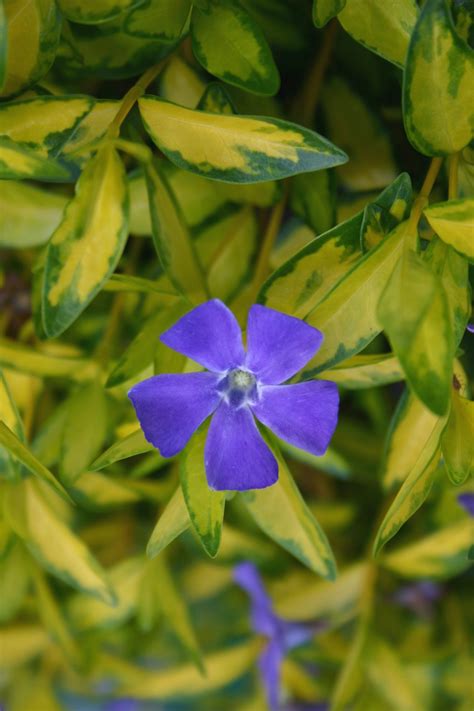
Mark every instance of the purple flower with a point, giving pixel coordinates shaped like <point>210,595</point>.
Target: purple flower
<point>419,597</point>
<point>237,387</point>
<point>282,635</point>
<point>122,705</point>
<point>470,327</point>
<point>466,500</point>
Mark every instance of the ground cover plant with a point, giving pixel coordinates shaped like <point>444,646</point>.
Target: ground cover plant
<point>236,355</point>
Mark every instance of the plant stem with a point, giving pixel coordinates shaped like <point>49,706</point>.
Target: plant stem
<point>131,97</point>
<point>271,232</point>
<point>453,176</point>
<point>308,98</point>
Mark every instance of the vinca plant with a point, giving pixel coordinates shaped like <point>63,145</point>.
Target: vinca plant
<point>236,355</point>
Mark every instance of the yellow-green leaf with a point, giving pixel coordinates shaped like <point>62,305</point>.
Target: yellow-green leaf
<point>222,667</point>
<point>28,214</point>
<point>388,209</point>
<point>282,514</point>
<point>352,124</point>
<point>131,445</point>
<point>313,198</point>
<point>181,83</point>
<point>383,27</point>
<point>29,32</point>
<point>438,84</point>
<point>141,351</point>
<point>441,555</point>
<point>231,45</point>
<point>14,581</point>
<point>300,283</point>
<point>325,10</point>
<point>124,579</point>
<point>457,444</point>
<point>453,221</point>
<point>172,522</point>
<point>235,149</point>
<point>31,360</point>
<point>11,418</point>
<point>310,599</point>
<point>94,11</point>
<point>348,314</point>
<point>51,541</point>
<point>414,311</point>
<point>205,506</point>
<point>18,451</point>
<point>174,610</point>
<point>409,498</point>
<point>172,239</point>
<point>85,429</point>
<point>453,271</point>
<point>53,619</point>
<point>88,243</point>
<point>391,680</point>
<point>365,371</point>
<point>165,20</point>
<point>18,161</point>
<point>412,441</point>
<point>22,642</point>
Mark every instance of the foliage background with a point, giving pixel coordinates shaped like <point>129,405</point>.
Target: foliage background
<point>169,208</point>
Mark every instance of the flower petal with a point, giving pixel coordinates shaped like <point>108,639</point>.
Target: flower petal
<point>236,457</point>
<point>304,414</point>
<point>270,666</point>
<point>278,345</point>
<point>170,408</point>
<point>210,335</point>
<point>264,620</point>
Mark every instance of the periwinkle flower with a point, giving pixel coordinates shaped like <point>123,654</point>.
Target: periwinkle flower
<point>470,327</point>
<point>419,597</point>
<point>282,635</point>
<point>466,500</point>
<point>238,387</point>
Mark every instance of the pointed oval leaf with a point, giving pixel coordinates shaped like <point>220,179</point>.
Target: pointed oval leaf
<point>52,543</point>
<point>88,243</point>
<point>441,555</point>
<point>11,418</point>
<point>29,31</point>
<point>172,522</point>
<point>438,84</point>
<point>28,214</point>
<point>231,45</point>
<point>348,314</point>
<point>412,440</point>
<point>383,27</point>
<point>85,429</point>
<point>94,11</point>
<point>352,124</point>
<point>412,494</point>
<point>10,442</point>
<point>172,239</point>
<point>457,444</point>
<point>413,310</point>
<point>205,506</point>
<point>325,10</point>
<point>282,514</point>
<point>135,443</point>
<point>222,668</point>
<point>300,283</point>
<point>365,371</point>
<point>256,149</point>
<point>453,221</point>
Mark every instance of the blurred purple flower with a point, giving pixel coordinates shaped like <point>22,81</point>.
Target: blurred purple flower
<point>122,705</point>
<point>419,597</point>
<point>282,635</point>
<point>470,327</point>
<point>238,387</point>
<point>466,500</point>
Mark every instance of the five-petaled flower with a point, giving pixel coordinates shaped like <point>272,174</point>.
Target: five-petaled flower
<point>237,387</point>
<point>282,635</point>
